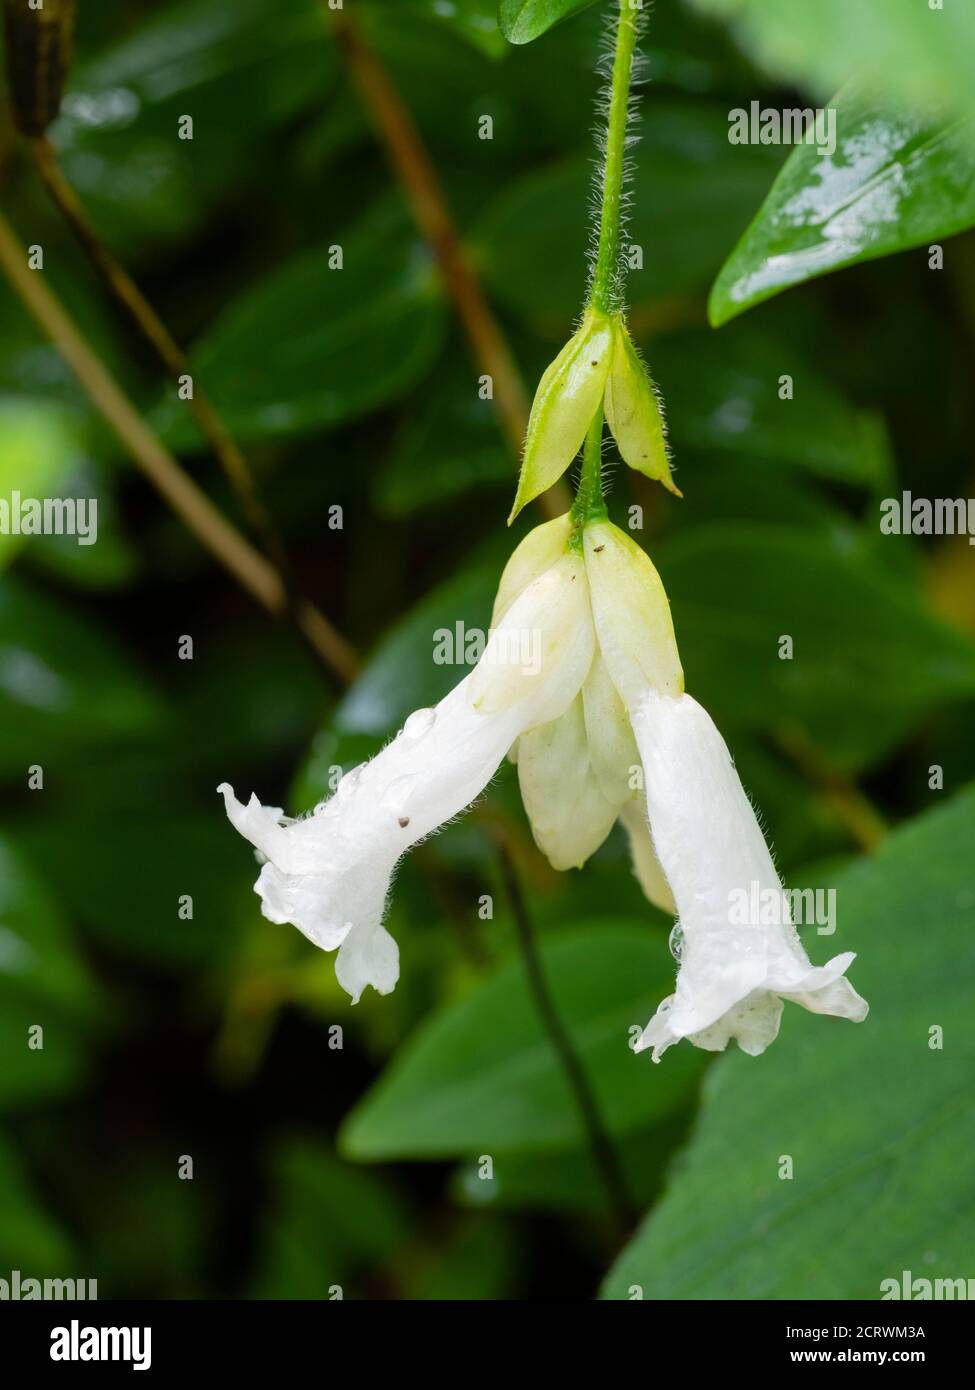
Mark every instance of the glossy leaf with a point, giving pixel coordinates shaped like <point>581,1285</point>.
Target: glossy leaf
<point>894,181</point>
<point>480,1076</point>
<point>524,20</point>
<point>877,1119</point>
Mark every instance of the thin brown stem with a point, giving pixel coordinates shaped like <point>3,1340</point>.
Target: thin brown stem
<point>148,324</point>
<point>428,204</point>
<point>252,569</point>
<point>601,1147</point>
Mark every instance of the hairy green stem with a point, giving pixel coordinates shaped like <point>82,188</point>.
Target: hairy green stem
<point>589,504</point>
<point>605,281</point>
<point>604,292</point>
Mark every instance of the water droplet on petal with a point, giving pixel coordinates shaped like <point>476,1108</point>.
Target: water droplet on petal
<point>398,792</point>
<point>420,722</point>
<point>349,782</point>
<point>676,942</point>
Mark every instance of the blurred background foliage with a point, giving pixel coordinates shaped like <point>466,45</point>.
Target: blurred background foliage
<point>360,1165</point>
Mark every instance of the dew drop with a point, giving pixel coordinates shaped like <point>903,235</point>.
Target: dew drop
<point>349,782</point>
<point>676,942</point>
<point>397,794</point>
<point>420,722</point>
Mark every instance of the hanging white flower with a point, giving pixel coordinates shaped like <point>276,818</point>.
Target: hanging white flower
<point>580,622</point>
<point>734,972</point>
<point>329,873</point>
<point>581,683</point>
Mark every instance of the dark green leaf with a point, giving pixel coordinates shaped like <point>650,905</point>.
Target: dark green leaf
<point>523,20</point>
<point>894,181</point>
<point>877,1120</point>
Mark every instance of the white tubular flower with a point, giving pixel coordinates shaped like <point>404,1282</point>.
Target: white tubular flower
<point>734,974</point>
<point>329,873</point>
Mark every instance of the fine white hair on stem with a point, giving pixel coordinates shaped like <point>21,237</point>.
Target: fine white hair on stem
<point>639,74</point>
<point>607,465</point>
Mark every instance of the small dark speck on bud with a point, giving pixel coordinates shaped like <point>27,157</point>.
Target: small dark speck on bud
<point>597,550</point>
<point>404,821</point>
<point>594,364</point>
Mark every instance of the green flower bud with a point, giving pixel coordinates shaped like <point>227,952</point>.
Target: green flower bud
<point>598,366</point>
<point>634,412</point>
<point>567,398</point>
